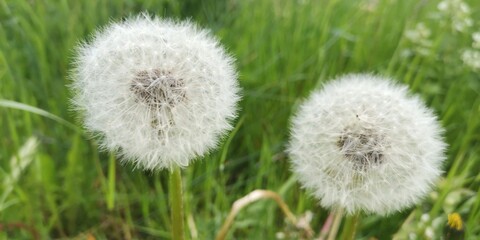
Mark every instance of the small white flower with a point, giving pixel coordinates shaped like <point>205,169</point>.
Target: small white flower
<point>429,233</point>
<point>443,6</point>
<point>462,25</point>
<point>160,92</point>
<point>476,40</point>
<point>419,33</point>
<point>364,143</point>
<point>425,217</point>
<point>458,12</point>
<point>471,58</point>
<point>420,38</point>
<point>412,236</point>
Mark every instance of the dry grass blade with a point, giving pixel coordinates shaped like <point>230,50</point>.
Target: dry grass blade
<point>253,197</point>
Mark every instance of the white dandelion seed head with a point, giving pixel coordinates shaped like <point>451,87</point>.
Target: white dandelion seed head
<point>364,143</point>
<point>158,91</point>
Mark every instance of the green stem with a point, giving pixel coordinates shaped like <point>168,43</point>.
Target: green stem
<point>176,203</point>
<point>111,183</point>
<point>350,228</point>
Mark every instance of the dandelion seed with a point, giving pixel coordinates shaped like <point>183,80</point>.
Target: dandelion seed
<point>160,92</point>
<point>364,143</point>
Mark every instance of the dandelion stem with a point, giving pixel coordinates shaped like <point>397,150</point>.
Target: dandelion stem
<point>350,228</point>
<point>176,204</point>
<point>111,183</point>
<point>336,224</point>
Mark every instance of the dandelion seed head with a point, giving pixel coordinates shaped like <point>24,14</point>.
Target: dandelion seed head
<point>160,92</point>
<point>364,143</point>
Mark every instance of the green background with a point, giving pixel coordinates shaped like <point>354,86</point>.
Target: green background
<point>56,183</point>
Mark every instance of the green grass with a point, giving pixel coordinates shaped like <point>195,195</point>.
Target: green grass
<point>54,179</point>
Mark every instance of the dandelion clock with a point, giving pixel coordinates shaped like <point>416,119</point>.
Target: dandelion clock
<point>159,92</point>
<point>363,143</point>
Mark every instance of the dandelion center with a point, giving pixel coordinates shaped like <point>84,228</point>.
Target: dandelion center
<point>362,147</point>
<point>158,88</point>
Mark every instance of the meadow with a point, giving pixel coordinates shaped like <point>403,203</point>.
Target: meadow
<point>56,184</point>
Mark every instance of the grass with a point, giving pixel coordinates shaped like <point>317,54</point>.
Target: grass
<point>55,182</point>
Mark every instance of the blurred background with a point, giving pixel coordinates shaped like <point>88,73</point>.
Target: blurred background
<point>56,184</point>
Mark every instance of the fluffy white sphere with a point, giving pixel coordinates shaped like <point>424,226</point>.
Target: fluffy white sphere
<point>160,92</point>
<point>364,143</point>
